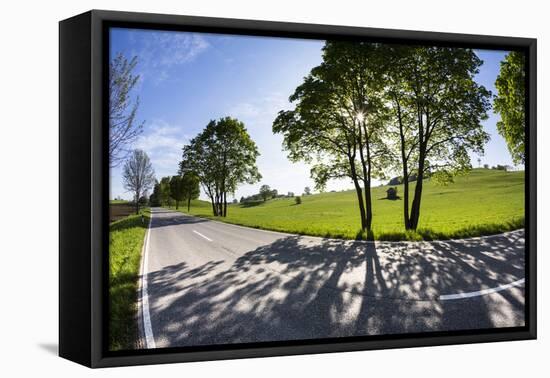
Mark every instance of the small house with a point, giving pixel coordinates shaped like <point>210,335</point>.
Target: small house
<point>391,193</point>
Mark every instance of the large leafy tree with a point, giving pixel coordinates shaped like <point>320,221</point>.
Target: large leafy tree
<point>437,109</point>
<point>177,191</point>
<point>265,192</point>
<point>164,191</point>
<point>191,187</point>
<point>123,107</point>
<point>510,104</point>
<point>154,198</point>
<point>222,156</point>
<point>337,123</point>
<point>138,175</point>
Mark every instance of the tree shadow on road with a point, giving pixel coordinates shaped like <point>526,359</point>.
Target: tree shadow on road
<point>175,220</point>
<point>298,288</point>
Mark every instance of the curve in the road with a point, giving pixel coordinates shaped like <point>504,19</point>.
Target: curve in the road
<point>210,255</point>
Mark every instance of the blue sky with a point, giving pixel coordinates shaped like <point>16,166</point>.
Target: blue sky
<point>187,79</point>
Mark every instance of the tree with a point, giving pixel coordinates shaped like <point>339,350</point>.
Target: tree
<point>154,198</point>
<point>274,193</point>
<point>298,200</point>
<point>177,190</point>
<point>307,191</point>
<point>191,187</point>
<point>510,104</point>
<point>337,123</point>
<point>222,156</point>
<point>143,200</point>
<point>138,175</point>
<point>164,192</point>
<point>265,192</point>
<point>290,194</point>
<point>437,109</point>
<point>123,128</point>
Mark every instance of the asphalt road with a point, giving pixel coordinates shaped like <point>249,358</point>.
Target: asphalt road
<point>214,283</point>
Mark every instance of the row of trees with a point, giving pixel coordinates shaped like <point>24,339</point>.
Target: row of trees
<point>222,157</point>
<point>370,108</point>
<point>175,190</point>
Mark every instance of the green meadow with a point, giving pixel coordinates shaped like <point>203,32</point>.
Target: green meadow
<point>126,238</point>
<point>483,202</point>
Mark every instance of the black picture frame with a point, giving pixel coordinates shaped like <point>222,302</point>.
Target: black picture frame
<point>84,189</point>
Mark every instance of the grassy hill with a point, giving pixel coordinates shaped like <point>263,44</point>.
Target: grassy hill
<point>480,203</point>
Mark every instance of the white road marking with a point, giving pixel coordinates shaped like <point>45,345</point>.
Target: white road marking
<point>481,292</point>
<point>198,233</point>
<point>147,327</point>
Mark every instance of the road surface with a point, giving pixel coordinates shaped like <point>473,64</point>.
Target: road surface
<point>208,282</point>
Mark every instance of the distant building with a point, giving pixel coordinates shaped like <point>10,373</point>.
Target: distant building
<point>391,193</point>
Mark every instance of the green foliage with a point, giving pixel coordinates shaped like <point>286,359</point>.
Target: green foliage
<point>480,203</point>
<point>298,200</point>
<point>338,121</point>
<point>437,109</point>
<point>176,189</point>
<point>265,192</point>
<point>191,187</point>
<point>154,198</point>
<point>510,104</point>
<point>222,156</point>
<point>164,192</point>
<point>369,109</point>
<point>125,244</point>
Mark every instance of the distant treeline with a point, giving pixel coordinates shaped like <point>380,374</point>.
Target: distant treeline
<point>175,190</point>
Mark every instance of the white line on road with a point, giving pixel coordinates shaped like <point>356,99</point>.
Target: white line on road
<point>198,233</point>
<point>147,327</point>
<point>481,292</point>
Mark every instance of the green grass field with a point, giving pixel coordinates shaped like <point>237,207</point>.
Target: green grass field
<point>125,243</point>
<point>481,203</point>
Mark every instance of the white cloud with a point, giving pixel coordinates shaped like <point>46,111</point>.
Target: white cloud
<point>159,51</point>
<point>163,144</point>
<point>259,110</point>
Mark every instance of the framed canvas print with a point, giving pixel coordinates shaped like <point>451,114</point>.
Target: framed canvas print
<point>234,188</point>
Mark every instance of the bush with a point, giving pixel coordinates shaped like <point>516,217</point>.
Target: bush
<point>298,200</point>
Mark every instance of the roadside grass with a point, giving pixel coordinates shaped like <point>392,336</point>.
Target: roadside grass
<point>125,244</point>
<point>484,202</point>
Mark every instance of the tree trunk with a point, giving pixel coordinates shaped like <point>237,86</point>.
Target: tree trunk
<point>219,205</point>
<point>406,217</point>
<point>368,205</point>
<point>404,162</point>
<point>224,204</point>
<point>367,184</point>
<point>415,208</point>
<point>359,193</point>
<point>213,205</point>
<point>188,204</point>
<point>137,203</point>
